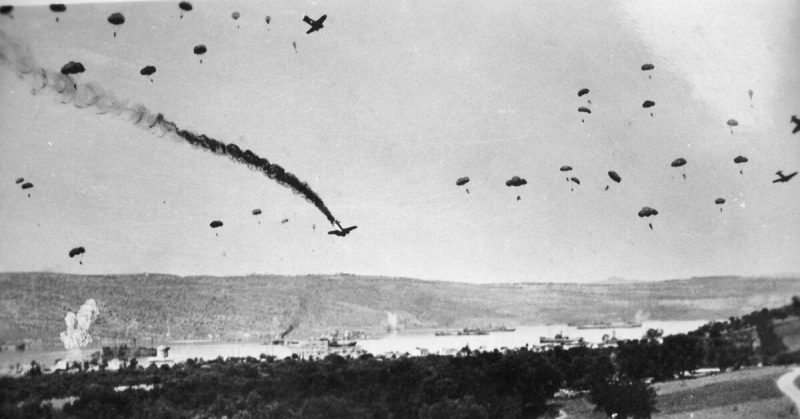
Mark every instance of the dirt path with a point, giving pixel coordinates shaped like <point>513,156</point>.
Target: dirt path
<point>786,385</point>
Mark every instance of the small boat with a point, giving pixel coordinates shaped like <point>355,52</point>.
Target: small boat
<point>502,329</point>
<point>470,332</point>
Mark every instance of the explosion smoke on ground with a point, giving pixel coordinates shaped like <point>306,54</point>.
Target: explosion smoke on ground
<point>84,95</point>
<point>77,334</point>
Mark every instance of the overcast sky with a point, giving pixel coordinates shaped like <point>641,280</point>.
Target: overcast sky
<point>382,110</point>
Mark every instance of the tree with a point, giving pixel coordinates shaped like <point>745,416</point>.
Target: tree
<point>625,398</point>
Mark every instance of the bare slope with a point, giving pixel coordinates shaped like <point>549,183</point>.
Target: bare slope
<point>33,304</point>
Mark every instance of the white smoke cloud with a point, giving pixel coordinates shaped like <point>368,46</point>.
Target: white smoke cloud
<point>392,321</point>
<point>77,334</point>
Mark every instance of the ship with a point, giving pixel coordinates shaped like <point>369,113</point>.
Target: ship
<point>502,329</point>
<point>472,331</point>
<point>560,339</point>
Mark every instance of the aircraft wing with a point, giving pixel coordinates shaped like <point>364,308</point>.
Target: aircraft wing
<point>311,30</point>
<point>349,229</point>
<point>308,20</point>
<point>336,233</point>
<point>322,19</point>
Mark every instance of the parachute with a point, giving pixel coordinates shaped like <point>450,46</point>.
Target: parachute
<point>462,181</point>
<point>185,6</point>
<point>719,201</point>
<point>678,163</point>
<point>19,180</point>
<point>216,224</point>
<point>116,19</point>
<point>584,109</point>
<point>565,168</point>
<point>148,71</point>
<point>268,19</point>
<point>27,185</point>
<point>77,251</point>
<point>648,67</point>
<point>58,8</point>
<point>235,15</point>
<point>583,92</point>
<point>200,50</point>
<point>732,123</point>
<point>256,211</point>
<point>648,104</point>
<point>284,221</point>
<point>648,212</point>
<point>516,181</point>
<point>740,160</point>
<point>614,176</point>
<point>576,180</point>
<point>72,67</point>
<point>6,10</point>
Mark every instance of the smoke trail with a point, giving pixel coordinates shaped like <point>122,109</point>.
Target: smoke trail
<point>77,334</point>
<point>92,95</point>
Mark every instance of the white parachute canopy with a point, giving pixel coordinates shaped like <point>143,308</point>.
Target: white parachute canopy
<point>77,334</point>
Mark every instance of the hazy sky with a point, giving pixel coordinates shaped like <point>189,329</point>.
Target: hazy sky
<point>382,110</point>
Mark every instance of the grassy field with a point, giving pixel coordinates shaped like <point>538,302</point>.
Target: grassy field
<point>748,393</point>
<point>33,305</point>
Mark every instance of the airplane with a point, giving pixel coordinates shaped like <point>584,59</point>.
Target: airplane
<point>782,177</point>
<point>341,232</point>
<point>315,24</point>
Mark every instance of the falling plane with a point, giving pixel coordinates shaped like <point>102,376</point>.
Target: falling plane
<point>341,232</point>
<point>315,24</point>
<point>783,178</point>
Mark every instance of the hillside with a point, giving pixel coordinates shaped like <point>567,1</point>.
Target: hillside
<point>34,304</point>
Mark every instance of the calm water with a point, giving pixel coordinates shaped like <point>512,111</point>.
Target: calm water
<point>408,341</point>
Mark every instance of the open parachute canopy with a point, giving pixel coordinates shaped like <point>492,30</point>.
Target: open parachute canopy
<point>614,176</point>
<point>516,181</point>
<point>647,212</point>
<point>678,162</point>
<point>565,168</point>
<point>72,67</point>
<point>647,67</point>
<point>77,251</point>
<point>256,211</point>
<point>719,201</point>
<point>216,224</point>
<point>147,70</point>
<point>116,19</point>
<point>648,104</point>
<point>583,92</point>
<point>27,185</point>
<point>462,181</point>
<point>740,159</point>
<point>733,123</point>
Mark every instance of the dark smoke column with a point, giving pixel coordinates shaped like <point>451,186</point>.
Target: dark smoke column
<point>250,159</point>
<point>92,95</point>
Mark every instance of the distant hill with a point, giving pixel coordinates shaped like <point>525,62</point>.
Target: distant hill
<point>33,305</point>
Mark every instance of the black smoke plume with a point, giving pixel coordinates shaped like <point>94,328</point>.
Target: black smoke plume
<point>86,95</point>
